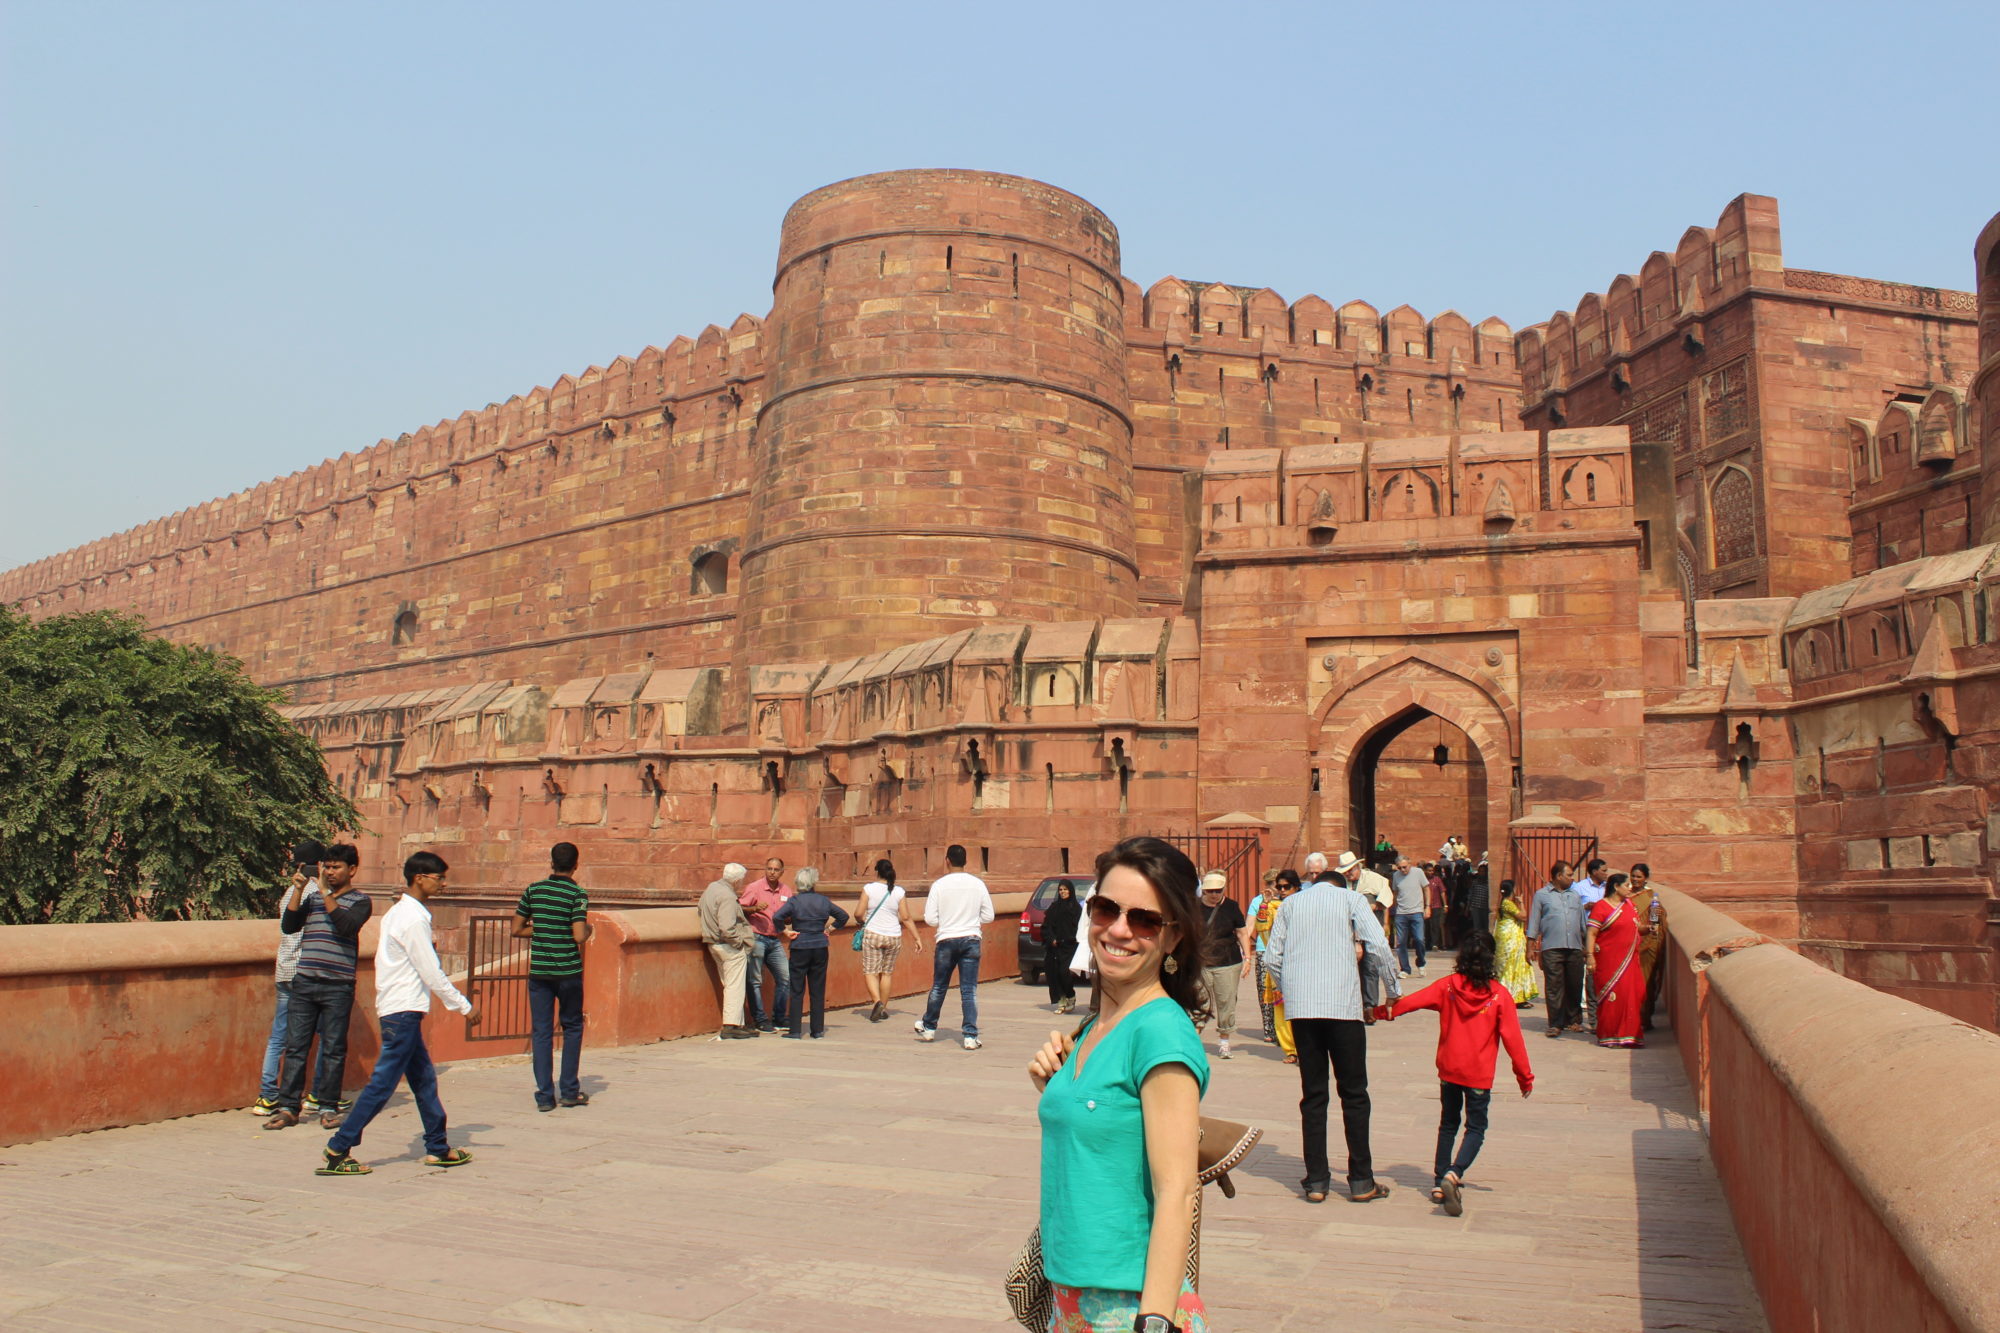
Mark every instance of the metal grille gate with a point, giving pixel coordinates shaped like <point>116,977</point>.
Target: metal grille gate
<point>1237,854</point>
<point>1535,850</point>
<point>496,975</point>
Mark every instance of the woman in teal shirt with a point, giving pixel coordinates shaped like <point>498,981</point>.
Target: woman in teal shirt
<point>1121,1107</point>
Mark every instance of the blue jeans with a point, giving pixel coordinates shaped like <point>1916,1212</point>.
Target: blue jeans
<point>319,1007</point>
<point>1475,1101</point>
<point>769,951</point>
<point>1409,930</point>
<point>272,1078</point>
<point>404,1057</point>
<point>274,1049</point>
<point>545,996</point>
<point>963,954</point>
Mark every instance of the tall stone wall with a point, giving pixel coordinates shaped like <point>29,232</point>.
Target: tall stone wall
<point>543,535</point>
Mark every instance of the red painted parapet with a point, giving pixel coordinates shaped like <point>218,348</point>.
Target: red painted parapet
<point>108,1025</point>
<point>1852,1131</point>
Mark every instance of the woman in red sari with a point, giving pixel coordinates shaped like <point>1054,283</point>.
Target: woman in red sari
<point>1611,952</point>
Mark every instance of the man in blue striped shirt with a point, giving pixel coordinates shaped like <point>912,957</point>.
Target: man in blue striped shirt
<point>1315,951</point>
<point>322,986</point>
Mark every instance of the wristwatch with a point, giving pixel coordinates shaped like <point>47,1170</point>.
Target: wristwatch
<point>1152,1323</point>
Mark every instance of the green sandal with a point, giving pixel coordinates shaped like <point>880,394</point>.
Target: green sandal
<point>456,1157</point>
<point>340,1164</point>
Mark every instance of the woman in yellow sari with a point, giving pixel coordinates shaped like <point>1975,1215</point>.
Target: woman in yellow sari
<point>1510,948</point>
<point>1287,884</point>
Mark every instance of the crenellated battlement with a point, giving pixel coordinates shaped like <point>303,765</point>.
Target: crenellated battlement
<point>1672,293</point>
<point>1178,312</point>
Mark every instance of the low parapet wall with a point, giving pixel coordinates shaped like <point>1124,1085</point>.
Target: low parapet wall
<point>1854,1133</point>
<point>111,1025</point>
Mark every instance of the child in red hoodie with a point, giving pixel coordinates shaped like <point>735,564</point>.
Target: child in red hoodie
<point>1475,1014</point>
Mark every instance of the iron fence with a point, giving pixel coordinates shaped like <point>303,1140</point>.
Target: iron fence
<point>1237,854</point>
<point>496,974</point>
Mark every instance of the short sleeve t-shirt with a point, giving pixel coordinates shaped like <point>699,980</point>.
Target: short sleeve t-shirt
<point>1097,1193</point>
<point>888,919</point>
<point>552,906</point>
<point>1225,948</point>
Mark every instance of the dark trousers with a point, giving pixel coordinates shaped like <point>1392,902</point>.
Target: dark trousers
<point>1474,1103</point>
<point>769,951</point>
<point>547,996</point>
<point>809,980</point>
<point>1656,974</point>
<point>962,954</point>
<point>404,1058</point>
<point>320,1007</point>
<point>1062,986</point>
<point>1562,969</point>
<point>1339,1044</point>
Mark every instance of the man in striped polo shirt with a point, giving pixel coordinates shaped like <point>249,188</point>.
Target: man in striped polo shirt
<point>552,916</point>
<point>329,922</point>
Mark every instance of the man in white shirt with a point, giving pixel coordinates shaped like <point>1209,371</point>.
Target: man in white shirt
<point>958,906</point>
<point>407,974</point>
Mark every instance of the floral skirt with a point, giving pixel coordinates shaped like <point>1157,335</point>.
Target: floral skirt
<point>1095,1310</point>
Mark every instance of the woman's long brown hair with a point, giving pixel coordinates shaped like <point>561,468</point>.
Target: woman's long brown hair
<point>1173,878</point>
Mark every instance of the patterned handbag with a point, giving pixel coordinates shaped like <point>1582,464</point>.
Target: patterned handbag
<point>1223,1144</point>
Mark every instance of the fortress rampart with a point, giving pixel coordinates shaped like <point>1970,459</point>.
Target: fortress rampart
<point>972,539</point>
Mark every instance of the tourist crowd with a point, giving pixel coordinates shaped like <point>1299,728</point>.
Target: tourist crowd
<point>1166,952</point>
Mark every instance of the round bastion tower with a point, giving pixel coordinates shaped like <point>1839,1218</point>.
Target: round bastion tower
<point>1986,380</point>
<point>946,437</point>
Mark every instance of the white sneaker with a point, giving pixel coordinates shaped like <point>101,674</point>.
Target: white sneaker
<point>971,1043</point>
<point>1222,1049</point>
<point>924,1033</point>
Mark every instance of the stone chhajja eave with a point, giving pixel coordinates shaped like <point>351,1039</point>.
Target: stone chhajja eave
<point>1713,707</point>
<point>1378,551</point>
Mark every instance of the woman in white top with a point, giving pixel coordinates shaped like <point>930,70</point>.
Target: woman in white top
<point>883,911</point>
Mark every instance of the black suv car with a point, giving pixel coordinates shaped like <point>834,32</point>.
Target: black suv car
<point>1035,961</point>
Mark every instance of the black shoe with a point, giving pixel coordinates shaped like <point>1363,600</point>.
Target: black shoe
<point>767,1027</point>
<point>545,1106</point>
<point>732,1032</point>
<point>795,1036</point>
<point>581,1099</point>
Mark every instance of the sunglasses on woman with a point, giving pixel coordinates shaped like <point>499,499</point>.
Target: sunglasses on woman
<point>1144,922</point>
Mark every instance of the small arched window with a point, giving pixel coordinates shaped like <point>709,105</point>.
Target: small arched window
<point>711,574</point>
<point>406,625</point>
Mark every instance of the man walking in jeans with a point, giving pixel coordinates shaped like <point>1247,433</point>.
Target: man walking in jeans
<point>1314,953</point>
<point>958,906</point>
<point>1555,939</point>
<point>553,915</point>
<point>406,976</point>
<point>322,986</point>
<point>759,900</point>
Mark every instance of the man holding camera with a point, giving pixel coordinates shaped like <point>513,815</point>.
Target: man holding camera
<point>329,923</point>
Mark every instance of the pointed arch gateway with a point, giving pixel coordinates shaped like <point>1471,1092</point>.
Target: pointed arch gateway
<point>1448,737</point>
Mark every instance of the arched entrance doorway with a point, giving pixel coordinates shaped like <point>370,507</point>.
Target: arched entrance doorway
<point>1375,749</point>
<point>1418,778</point>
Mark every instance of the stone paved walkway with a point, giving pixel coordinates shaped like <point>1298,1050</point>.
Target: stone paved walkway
<point>863,1182</point>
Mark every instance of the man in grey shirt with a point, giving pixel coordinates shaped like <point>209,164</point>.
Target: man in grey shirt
<point>727,933</point>
<point>1555,939</point>
<point>1314,954</point>
<point>1411,885</point>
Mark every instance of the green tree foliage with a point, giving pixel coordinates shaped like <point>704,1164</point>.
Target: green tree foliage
<point>145,778</point>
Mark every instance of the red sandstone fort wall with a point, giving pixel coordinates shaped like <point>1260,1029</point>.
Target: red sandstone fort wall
<point>1750,371</point>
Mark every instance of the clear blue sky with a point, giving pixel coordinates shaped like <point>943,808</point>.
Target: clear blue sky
<point>240,238</point>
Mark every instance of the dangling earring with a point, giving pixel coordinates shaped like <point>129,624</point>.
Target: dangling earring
<point>1173,965</point>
